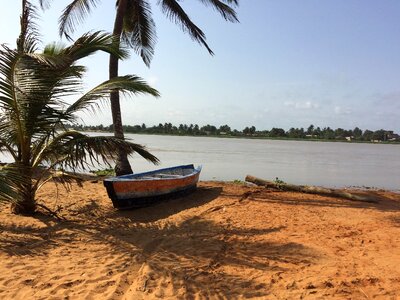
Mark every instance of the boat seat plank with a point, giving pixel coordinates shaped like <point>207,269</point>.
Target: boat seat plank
<point>155,176</point>
<point>170,175</point>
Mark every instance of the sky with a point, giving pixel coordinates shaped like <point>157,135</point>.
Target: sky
<point>288,63</point>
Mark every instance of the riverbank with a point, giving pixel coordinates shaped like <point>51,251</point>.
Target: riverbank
<point>256,137</point>
<point>226,240</point>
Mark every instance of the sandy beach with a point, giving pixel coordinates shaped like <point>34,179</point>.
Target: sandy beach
<point>225,241</point>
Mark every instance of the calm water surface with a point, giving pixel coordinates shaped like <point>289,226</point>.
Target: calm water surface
<point>298,162</point>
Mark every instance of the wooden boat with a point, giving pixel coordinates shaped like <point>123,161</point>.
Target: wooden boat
<point>144,189</point>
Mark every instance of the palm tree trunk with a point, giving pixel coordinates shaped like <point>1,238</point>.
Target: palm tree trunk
<point>122,166</point>
<point>27,203</point>
<point>25,207</point>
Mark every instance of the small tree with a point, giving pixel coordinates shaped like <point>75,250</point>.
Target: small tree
<point>357,133</point>
<point>310,130</point>
<point>34,120</point>
<point>224,128</point>
<point>277,132</point>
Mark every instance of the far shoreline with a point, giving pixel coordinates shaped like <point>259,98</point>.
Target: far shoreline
<point>259,138</point>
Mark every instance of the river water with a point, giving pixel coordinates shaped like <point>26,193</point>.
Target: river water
<point>298,162</point>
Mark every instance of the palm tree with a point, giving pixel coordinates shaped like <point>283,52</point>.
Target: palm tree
<point>134,25</point>
<point>34,120</point>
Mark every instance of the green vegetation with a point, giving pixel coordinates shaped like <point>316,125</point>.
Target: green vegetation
<point>104,172</point>
<point>9,179</point>
<point>311,133</point>
<point>279,182</point>
<point>238,182</point>
<point>35,122</point>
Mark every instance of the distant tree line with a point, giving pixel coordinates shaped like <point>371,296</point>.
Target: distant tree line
<point>311,132</point>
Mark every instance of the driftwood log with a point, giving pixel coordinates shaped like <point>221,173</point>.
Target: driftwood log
<point>310,189</point>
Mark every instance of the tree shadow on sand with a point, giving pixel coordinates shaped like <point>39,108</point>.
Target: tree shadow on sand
<point>31,240</point>
<point>170,207</point>
<point>201,257</point>
<point>162,210</point>
<point>185,257</point>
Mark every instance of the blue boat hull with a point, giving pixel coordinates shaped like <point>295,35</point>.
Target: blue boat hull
<point>144,189</point>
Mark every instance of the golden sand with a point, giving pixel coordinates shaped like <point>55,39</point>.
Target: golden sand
<point>225,241</point>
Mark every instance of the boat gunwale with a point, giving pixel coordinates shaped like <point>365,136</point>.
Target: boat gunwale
<point>138,176</point>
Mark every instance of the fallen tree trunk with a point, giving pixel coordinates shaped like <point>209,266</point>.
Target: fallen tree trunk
<point>309,189</point>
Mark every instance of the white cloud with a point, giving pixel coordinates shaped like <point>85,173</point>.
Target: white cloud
<point>301,105</point>
<point>175,113</point>
<point>342,110</point>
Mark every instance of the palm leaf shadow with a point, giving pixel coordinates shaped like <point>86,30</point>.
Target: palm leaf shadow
<point>195,253</point>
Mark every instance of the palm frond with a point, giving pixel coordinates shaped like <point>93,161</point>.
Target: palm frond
<point>44,4</point>
<point>8,61</point>
<point>10,178</point>
<point>6,145</point>
<point>129,84</point>
<point>8,135</point>
<point>40,81</point>
<point>29,34</point>
<point>139,30</point>
<point>37,88</point>
<point>232,2</point>
<point>31,86</point>
<point>227,12</point>
<point>72,149</point>
<point>59,177</point>
<point>74,14</point>
<point>91,42</point>
<point>175,12</point>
